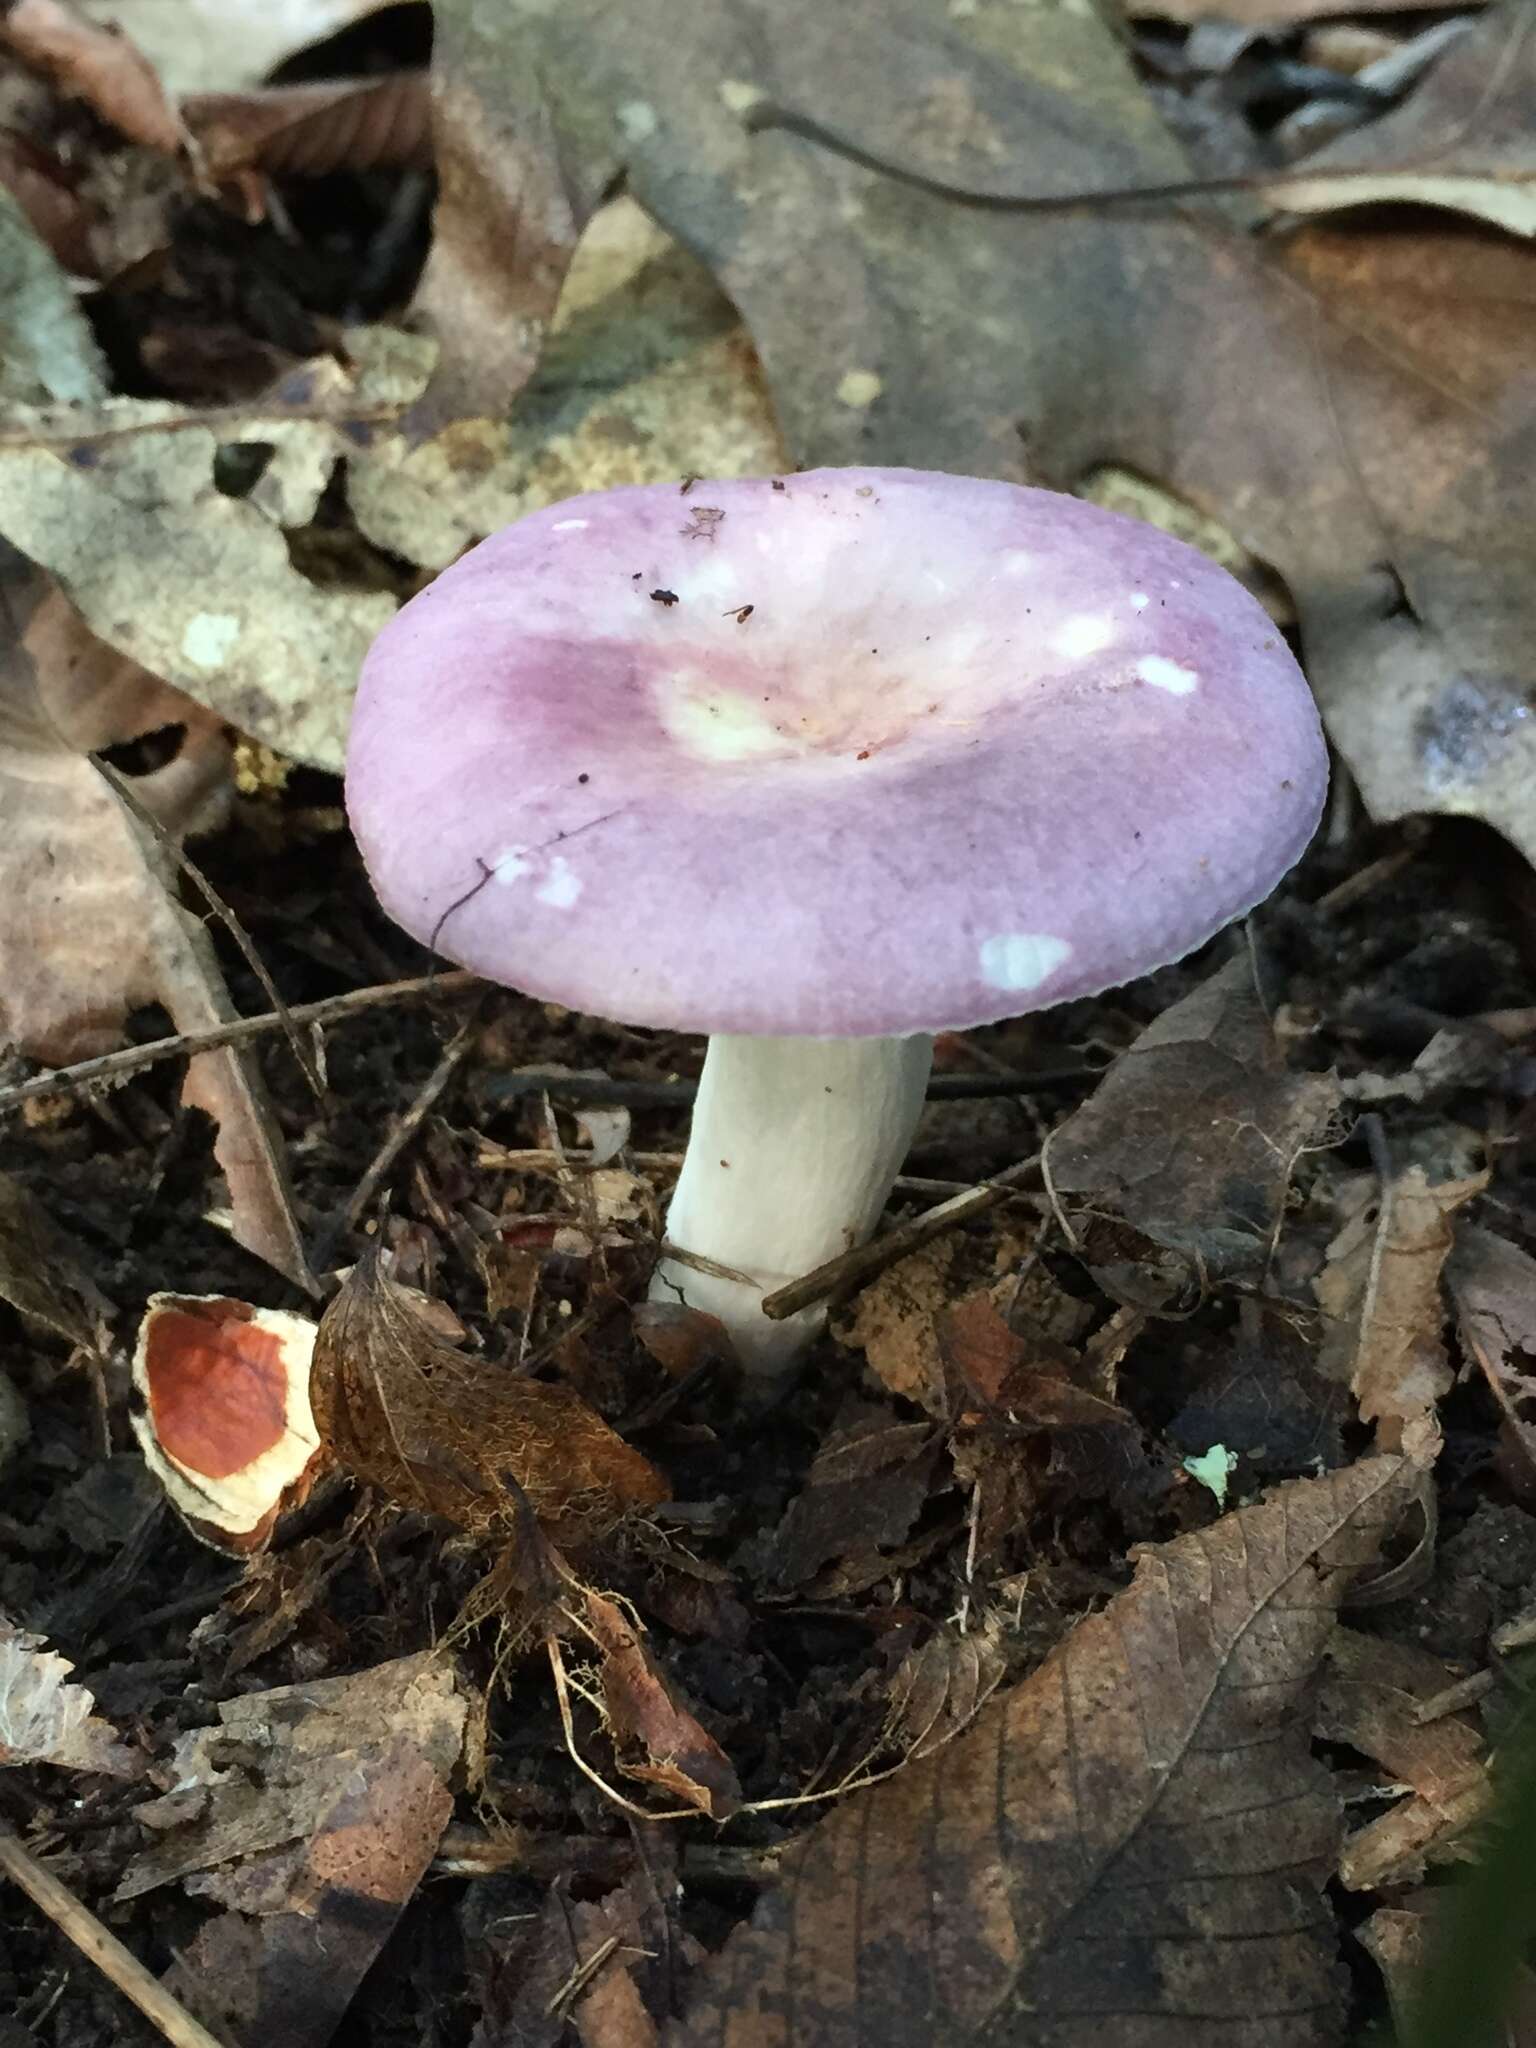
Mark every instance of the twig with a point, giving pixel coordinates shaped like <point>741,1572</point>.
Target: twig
<point>329,1010</point>
<point>173,849</point>
<point>593,1089</point>
<point>114,1961</point>
<point>849,1269</point>
<point>399,1137</point>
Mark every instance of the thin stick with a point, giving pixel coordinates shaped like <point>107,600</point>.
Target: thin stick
<point>583,1089</point>
<point>849,1269</point>
<point>105,1950</point>
<point>329,1010</point>
<point>410,1123</point>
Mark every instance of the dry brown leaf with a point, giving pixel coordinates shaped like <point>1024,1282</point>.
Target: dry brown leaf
<point>57,214</point>
<point>511,205</point>
<point>311,131</point>
<point>1368,1700</point>
<point>94,63</point>
<point>44,1720</point>
<point>42,1275</point>
<point>91,928</point>
<point>452,1435</point>
<point>1027,1378</point>
<point>1389,498</point>
<point>1493,1284</point>
<point>656,1736</point>
<point>1461,140</point>
<point>1130,1848</point>
<point>1194,1132</point>
<point>894,1322</point>
<point>1381,1292</point>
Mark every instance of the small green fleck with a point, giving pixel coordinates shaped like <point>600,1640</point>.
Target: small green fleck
<point>1213,1469</point>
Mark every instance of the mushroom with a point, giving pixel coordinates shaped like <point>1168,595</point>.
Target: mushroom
<point>820,766</point>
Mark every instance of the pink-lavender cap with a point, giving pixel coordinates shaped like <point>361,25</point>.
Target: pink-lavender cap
<point>838,754</point>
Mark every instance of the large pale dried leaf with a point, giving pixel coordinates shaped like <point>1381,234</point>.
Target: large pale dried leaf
<point>647,376</point>
<point>304,1925</point>
<point>94,63</point>
<point>1369,1700</point>
<point>1126,1851</point>
<point>1493,1284</point>
<point>894,1322</point>
<point>222,45</point>
<point>456,1436</point>
<point>1461,141</point>
<point>89,923</point>
<point>45,1720</point>
<point>1193,1134</point>
<point>42,1275</point>
<point>1381,1291</point>
<point>269,1773</point>
<point>311,131</point>
<point>897,325</point>
<point>656,1735</point>
<point>196,585</point>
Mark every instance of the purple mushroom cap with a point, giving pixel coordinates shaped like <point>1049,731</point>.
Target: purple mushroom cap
<point>851,753</point>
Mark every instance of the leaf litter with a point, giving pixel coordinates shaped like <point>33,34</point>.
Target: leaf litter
<point>917,1572</point>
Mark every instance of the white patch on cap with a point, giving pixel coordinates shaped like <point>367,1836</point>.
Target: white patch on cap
<point>572,525</point>
<point>1083,636</point>
<point>1139,600</point>
<point>713,577</point>
<point>511,866</point>
<point>1164,674</point>
<point>560,888</point>
<point>1021,960</point>
<point>209,638</point>
<point>1015,562</point>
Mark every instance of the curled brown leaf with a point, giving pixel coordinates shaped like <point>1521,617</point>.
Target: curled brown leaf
<point>309,131</point>
<point>658,1740</point>
<point>97,64</point>
<point>453,1435</point>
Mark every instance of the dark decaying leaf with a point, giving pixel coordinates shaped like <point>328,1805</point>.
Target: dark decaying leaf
<point>1126,1851</point>
<point>1493,1284</point>
<point>868,1485</point>
<point>656,1736</point>
<point>1193,1134</point>
<point>456,1436</point>
<point>1028,1378</point>
<point>898,325</point>
<point>41,1274</point>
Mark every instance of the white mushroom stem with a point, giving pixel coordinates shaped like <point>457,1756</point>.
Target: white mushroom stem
<point>794,1146</point>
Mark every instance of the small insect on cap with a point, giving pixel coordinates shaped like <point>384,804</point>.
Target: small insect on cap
<point>846,753</point>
